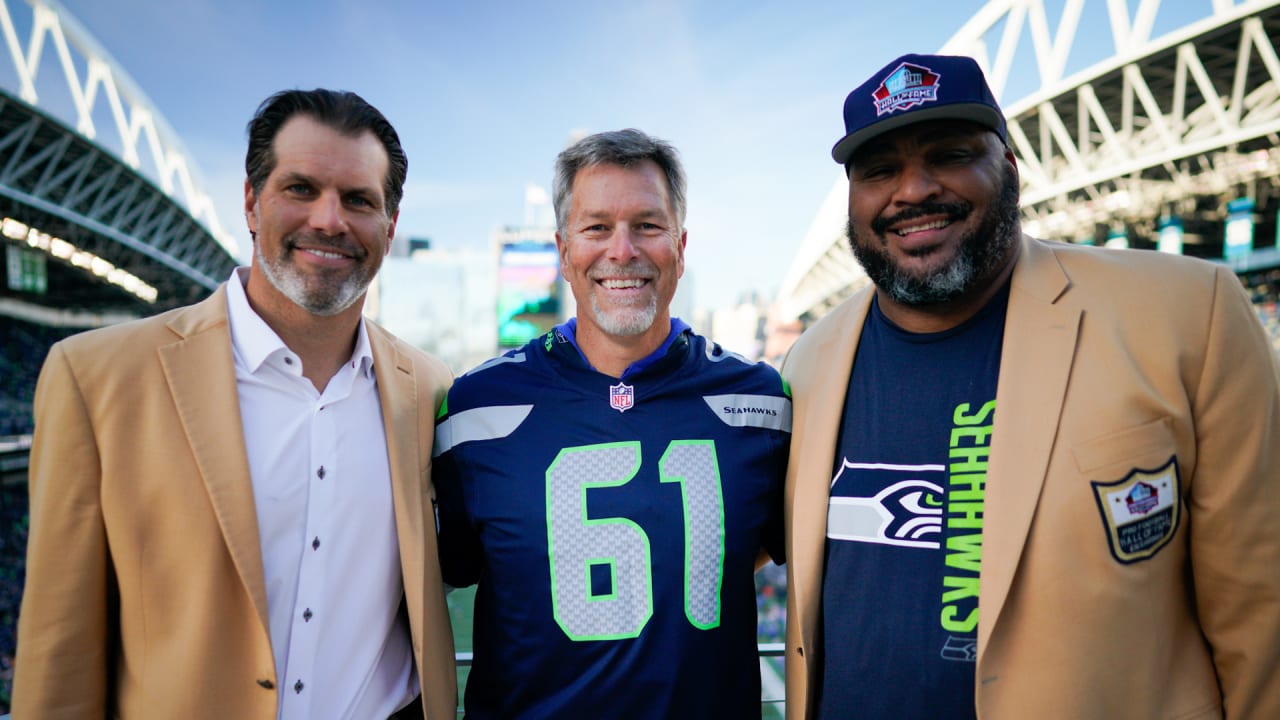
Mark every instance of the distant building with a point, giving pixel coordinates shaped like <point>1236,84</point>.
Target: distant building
<point>740,327</point>
<point>442,301</point>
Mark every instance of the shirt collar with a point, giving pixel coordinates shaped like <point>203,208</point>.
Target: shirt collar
<point>254,342</point>
<point>678,326</point>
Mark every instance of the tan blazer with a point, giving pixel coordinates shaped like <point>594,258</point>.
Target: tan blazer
<point>145,595</point>
<point>1112,361</point>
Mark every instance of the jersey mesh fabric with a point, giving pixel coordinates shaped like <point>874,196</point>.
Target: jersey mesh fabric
<point>614,548</point>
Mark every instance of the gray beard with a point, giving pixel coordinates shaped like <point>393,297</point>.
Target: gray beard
<point>979,258</point>
<point>328,299</point>
<point>625,322</point>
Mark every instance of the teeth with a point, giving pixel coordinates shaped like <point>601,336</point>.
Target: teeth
<point>325,253</point>
<point>903,232</point>
<point>622,284</point>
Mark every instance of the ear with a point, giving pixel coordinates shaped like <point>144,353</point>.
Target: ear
<point>562,249</point>
<point>250,207</point>
<point>1013,163</point>
<point>391,231</point>
<point>684,240</point>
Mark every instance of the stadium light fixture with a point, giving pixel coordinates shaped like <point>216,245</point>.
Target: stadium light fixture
<point>83,259</point>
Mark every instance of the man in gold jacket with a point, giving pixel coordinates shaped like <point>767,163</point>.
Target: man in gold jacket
<point>1027,479</point>
<point>230,501</point>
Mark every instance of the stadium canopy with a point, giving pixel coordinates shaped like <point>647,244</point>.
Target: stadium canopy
<point>1126,116</point>
<point>99,229</point>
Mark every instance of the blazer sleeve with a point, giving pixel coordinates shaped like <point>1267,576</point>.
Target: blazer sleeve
<point>65,641</point>
<point>1234,504</point>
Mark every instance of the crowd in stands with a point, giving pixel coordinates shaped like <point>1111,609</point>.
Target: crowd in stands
<point>13,546</point>
<point>771,603</point>
<point>23,347</point>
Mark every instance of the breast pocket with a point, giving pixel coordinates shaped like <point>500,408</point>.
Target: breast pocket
<point>1137,485</point>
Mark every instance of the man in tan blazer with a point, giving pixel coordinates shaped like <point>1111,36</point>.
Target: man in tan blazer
<point>1027,479</point>
<point>229,501</point>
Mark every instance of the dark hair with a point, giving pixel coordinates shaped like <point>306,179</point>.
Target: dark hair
<point>346,112</point>
<point>619,147</point>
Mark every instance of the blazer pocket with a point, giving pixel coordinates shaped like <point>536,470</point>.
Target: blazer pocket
<point>1144,447</point>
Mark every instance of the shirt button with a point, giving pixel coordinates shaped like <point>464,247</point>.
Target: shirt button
<point>306,615</point>
<point>315,544</point>
<point>320,472</point>
<point>297,687</point>
<point>288,361</point>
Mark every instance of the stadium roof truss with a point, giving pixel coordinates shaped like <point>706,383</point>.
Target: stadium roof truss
<point>1193,114</point>
<point>164,231</point>
<point>66,178</point>
<point>1174,124</point>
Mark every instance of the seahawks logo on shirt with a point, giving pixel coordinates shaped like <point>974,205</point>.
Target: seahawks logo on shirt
<point>906,512</point>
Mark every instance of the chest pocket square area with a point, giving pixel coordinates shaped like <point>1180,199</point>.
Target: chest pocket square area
<point>1140,512</point>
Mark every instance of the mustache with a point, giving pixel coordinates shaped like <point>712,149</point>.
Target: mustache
<point>631,269</point>
<point>953,211</point>
<point>320,241</point>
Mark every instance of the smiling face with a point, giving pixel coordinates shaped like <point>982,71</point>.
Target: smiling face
<point>933,212</point>
<point>320,221</point>
<point>622,251</point>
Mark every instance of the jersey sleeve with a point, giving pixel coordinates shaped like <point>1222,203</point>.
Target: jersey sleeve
<point>773,539</point>
<point>459,543</point>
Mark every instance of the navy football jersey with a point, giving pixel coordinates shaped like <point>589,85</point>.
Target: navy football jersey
<point>613,526</point>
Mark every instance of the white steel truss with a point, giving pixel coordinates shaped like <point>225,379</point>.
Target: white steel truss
<point>136,119</point>
<point>1170,123</point>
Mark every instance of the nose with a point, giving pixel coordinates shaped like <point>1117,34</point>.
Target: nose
<point>916,184</point>
<point>622,246</point>
<point>327,214</point>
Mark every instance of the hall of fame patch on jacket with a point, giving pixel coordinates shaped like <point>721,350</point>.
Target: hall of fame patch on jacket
<point>1140,512</point>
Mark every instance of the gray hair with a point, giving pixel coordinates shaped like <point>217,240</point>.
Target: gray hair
<point>618,147</point>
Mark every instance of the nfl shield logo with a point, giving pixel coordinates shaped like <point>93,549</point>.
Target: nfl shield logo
<point>622,397</point>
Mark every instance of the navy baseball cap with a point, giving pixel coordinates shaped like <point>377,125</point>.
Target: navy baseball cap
<point>915,88</point>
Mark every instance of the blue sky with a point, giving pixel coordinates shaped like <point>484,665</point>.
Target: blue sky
<point>484,94</point>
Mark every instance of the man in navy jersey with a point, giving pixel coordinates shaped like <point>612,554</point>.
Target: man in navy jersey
<point>1028,479</point>
<point>610,485</point>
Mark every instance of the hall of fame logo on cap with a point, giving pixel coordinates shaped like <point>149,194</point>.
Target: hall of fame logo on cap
<point>1140,512</point>
<point>907,86</point>
<point>622,397</point>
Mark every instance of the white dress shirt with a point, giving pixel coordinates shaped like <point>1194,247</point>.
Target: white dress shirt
<point>322,488</point>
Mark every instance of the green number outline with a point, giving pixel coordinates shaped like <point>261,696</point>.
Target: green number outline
<point>636,533</point>
<point>611,561</point>
<point>689,578</point>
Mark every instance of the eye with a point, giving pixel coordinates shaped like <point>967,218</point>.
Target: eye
<point>872,171</point>
<point>953,154</point>
<point>298,188</point>
<point>359,201</point>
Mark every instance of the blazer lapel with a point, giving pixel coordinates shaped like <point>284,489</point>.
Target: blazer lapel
<point>819,385</point>
<point>1040,334</point>
<point>200,370</point>
<point>398,394</point>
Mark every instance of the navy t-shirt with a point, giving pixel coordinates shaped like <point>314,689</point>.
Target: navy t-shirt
<point>904,522</point>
